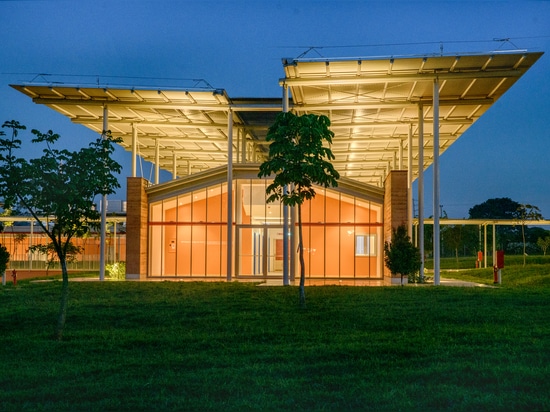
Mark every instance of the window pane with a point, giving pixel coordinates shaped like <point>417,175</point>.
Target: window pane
<point>199,206</point>
<point>198,251</point>
<point>214,204</point>
<point>184,208</point>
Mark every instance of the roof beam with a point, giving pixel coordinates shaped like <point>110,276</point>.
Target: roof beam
<point>390,104</point>
<point>399,78</point>
<point>160,105</point>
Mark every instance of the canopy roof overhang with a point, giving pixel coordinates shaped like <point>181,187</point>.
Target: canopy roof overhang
<point>374,106</point>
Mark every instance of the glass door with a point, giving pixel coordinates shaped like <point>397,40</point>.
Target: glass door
<point>260,251</point>
<point>275,251</point>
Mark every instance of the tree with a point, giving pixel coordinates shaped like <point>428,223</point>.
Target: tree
<point>452,236</point>
<point>60,184</point>
<point>297,158</point>
<point>544,244</point>
<point>498,208</point>
<point>401,256</point>
<point>524,213</point>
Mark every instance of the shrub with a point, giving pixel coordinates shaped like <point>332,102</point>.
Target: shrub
<point>401,256</point>
<point>4,258</point>
<point>116,271</point>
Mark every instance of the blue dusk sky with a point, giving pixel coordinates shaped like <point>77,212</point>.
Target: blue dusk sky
<point>238,46</point>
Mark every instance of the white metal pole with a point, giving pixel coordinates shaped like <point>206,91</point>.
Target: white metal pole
<point>157,161</point>
<point>421,187</point>
<point>103,230</point>
<point>134,150</point>
<point>485,245</point>
<point>174,166</point>
<point>494,245</point>
<point>243,146</point>
<point>409,183</point>
<point>286,253</point>
<point>31,243</point>
<point>436,235</point>
<point>229,195</point>
<point>114,242</point>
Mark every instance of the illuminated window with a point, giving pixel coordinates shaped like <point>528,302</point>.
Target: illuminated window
<point>365,245</point>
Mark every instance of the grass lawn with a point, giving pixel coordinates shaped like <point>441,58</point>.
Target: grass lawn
<point>133,346</point>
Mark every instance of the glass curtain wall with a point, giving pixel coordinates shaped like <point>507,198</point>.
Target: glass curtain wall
<point>188,234</point>
<point>342,236</point>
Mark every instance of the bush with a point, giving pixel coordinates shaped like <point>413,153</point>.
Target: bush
<point>401,256</point>
<point>4,258</point>
<point>116,271</point>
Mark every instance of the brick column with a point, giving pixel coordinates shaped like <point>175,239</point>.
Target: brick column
<point>136,229</point>
<point>395,210</point>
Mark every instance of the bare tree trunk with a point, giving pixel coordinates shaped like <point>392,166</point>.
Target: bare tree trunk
<point>523,237</point>
<point>302,263</point>
<point>63,303</point>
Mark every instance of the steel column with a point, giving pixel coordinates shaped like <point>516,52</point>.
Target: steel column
<point>157,161</point>
<point>421,188</point>
<point>436,235</point>
<point>103,227</point>
<point>229,195</point>
<point>174,166</point>
<point>409,183</point>
<point>286,253</point>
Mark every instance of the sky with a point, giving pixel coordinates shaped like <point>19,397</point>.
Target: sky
<point>238,46</point>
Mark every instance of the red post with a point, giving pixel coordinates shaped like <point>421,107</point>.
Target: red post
<point>14,276</point>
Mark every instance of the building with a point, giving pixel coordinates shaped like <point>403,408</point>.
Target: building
<point>392,118</point>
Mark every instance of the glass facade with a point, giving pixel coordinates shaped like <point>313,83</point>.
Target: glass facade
<point>342,234</point>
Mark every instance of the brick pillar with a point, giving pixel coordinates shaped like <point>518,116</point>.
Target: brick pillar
<point>136,229</point>
<point>395,210</point>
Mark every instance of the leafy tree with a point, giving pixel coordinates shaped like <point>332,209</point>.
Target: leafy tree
<point>498,208</point>
<point>401,256</point>
<point>297,158</point>
<point>526,212</point>
<point>544,244</point>
<point>452,237</point>
<point>60,184</point>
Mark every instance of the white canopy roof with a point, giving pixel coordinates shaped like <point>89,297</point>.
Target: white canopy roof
<point>372,104</point>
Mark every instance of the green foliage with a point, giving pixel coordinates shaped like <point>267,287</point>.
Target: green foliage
<point>192,346</point>
<point>4,258</point>
<point>297,158</point>
<point>71,256</point>
<point>60,184</point>
<point>496,208</point>
<point>543,243</point>
<point>116,271</point>
<point>401,256</point>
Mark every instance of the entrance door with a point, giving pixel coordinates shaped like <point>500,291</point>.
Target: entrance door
<point>260,251</point>
<point>275,251</point>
